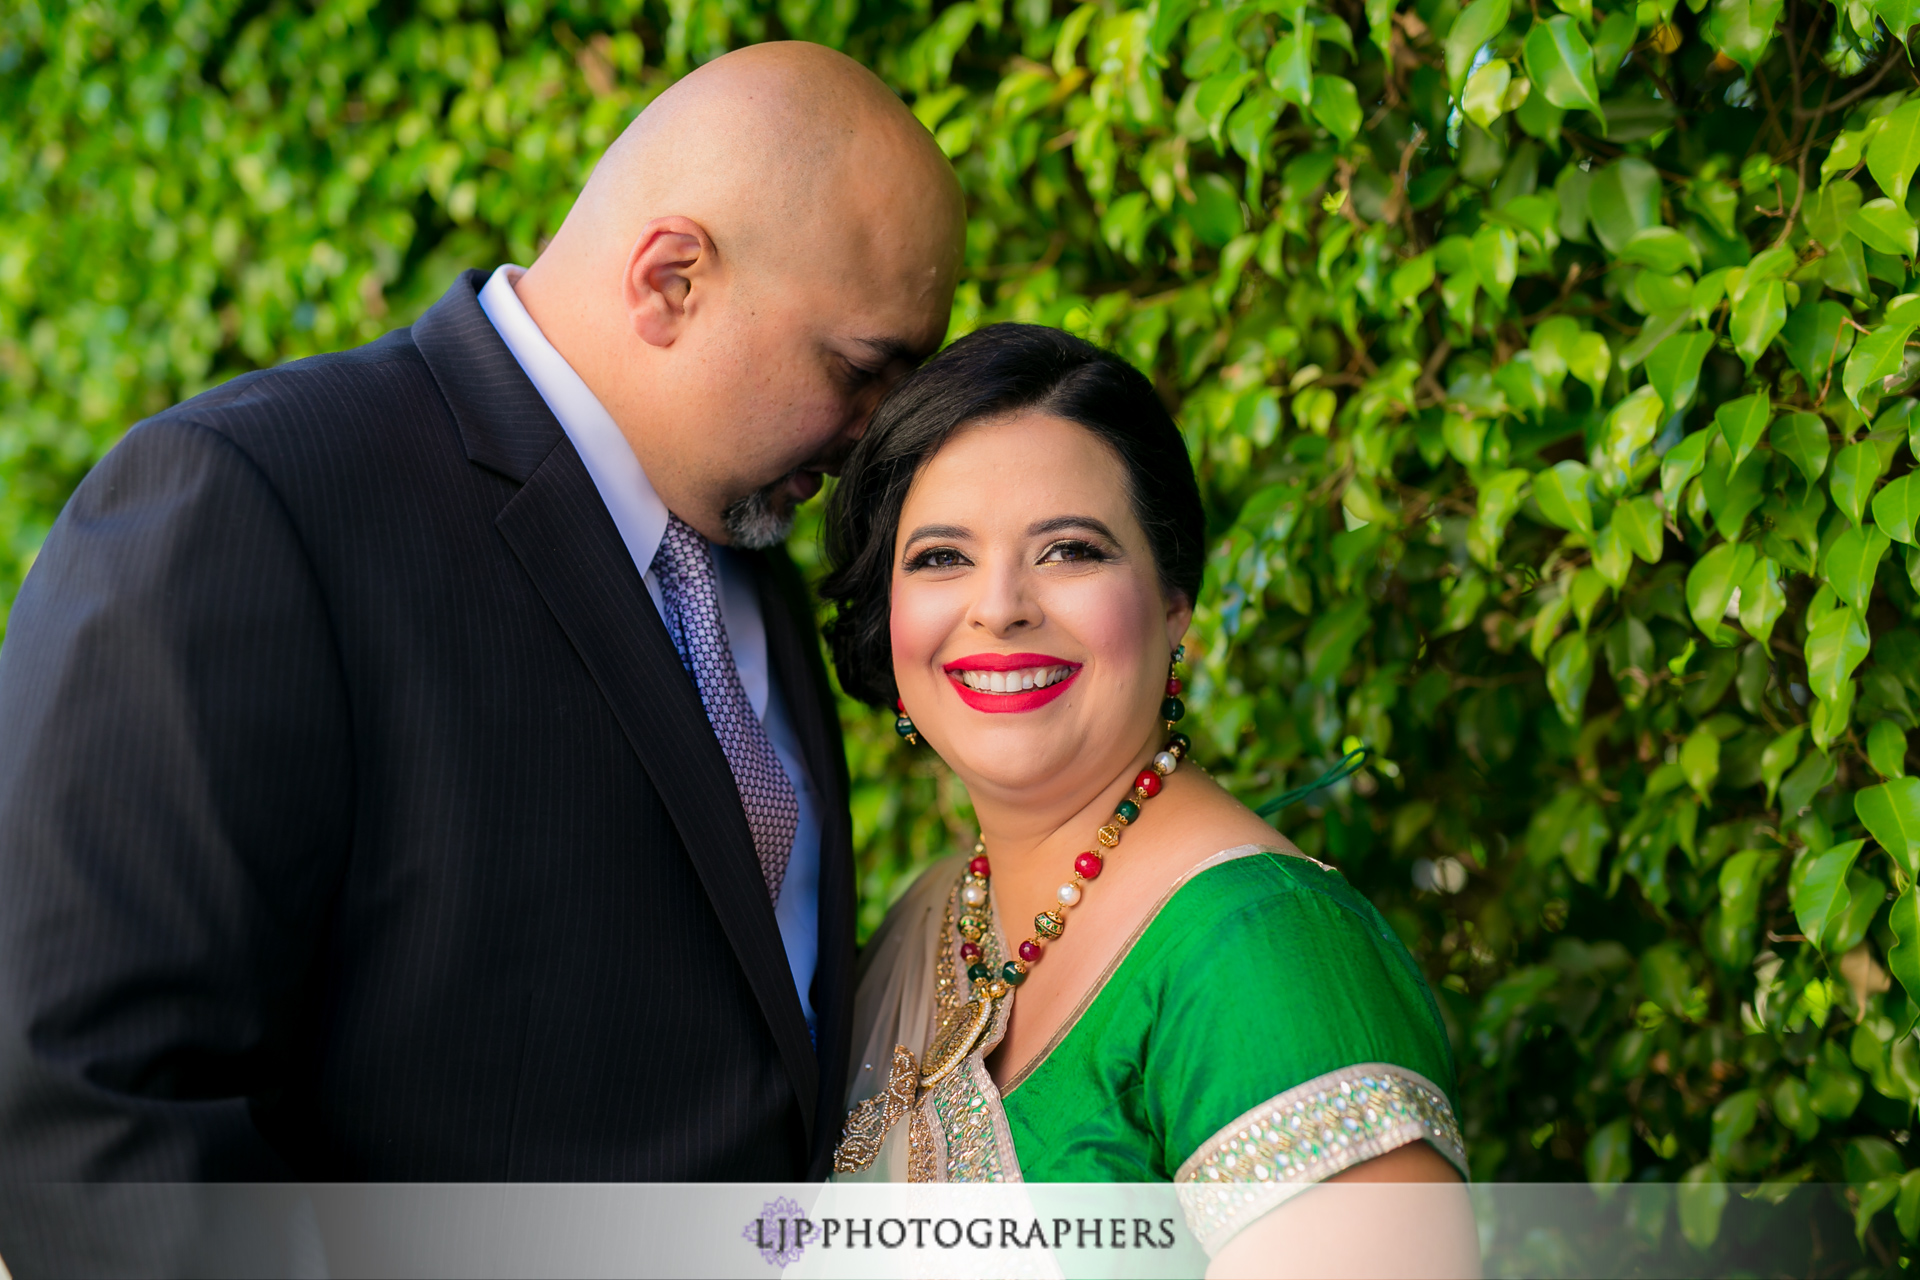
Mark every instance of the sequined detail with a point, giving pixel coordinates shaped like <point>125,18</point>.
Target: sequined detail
<point>958,1130</point>
<point>1306,1135</point>
<point>867,1123</point>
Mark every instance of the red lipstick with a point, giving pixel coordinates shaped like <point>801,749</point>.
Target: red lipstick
<point>1025,699</point>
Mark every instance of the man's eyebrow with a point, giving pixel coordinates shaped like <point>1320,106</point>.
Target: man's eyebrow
<point>887,350</point>
<point>1060,523</point>
<point>951,531</point>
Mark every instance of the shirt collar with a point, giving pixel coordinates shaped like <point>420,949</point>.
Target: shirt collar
<point>636,509</point>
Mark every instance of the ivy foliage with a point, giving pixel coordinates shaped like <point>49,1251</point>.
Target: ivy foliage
<point>1549,376</point>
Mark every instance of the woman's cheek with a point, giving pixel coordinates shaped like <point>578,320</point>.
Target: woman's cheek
<point>919,625</point>
<point>1118,620</point>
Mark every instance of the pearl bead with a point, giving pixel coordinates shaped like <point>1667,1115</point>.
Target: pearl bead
<point>1166,762</point>
<point>974,896</point>
<point>1069,895</point>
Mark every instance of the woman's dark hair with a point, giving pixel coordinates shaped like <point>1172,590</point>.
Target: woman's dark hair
<point>1001,369</point>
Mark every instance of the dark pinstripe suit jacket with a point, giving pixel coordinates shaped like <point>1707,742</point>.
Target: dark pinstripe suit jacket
<point>357,820</point>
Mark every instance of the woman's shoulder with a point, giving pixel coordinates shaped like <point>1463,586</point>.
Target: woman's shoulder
<point>1260,937</point>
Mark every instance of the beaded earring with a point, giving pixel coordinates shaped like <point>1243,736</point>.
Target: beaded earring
<point>903,723</point>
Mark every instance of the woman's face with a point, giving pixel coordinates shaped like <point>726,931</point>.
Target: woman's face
<point>1030,631</point>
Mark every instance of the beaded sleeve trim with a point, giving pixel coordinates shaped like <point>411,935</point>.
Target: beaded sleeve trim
<point>1307,1135</point>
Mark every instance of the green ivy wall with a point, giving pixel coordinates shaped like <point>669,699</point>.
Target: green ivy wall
<point>1547,371</point>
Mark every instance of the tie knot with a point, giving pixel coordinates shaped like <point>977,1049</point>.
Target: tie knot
<point>683,553</point>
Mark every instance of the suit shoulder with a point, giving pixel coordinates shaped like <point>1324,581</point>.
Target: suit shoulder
<point>329,405</point>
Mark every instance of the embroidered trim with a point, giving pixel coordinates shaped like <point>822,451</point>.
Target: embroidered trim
<point>1234,854</point>
<point>867,1123</point>
<point>1307,1135</point>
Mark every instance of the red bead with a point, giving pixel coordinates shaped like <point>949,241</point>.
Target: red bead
<point>1030,951</point>
<point>1173,686</point>
<point>979,867</point>
<point>1149,782</point>
<point>900,705</point>
<point>1088,865</point>
<point>969,951</point>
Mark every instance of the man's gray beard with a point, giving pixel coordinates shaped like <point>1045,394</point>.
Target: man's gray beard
<point>756,522</point>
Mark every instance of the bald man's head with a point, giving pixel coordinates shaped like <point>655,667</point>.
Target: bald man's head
<point>753,262</point>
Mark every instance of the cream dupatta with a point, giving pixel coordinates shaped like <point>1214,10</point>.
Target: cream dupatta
<point>912,1002</point>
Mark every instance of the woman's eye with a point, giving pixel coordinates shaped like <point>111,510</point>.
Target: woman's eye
<point>937,558</point>
<point>1068,552</point>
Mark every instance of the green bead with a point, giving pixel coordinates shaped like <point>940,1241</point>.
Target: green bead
<point>1180,744</point>
<point>1126,811</point>
<point>904,727</point>
<point>978,973</point>
<point>1014,972</point>
<point>1172,709</point>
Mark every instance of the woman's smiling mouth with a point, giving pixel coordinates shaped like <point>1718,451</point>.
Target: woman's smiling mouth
<point>1000,682</point>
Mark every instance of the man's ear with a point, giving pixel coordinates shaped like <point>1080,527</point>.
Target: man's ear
<point>672,257</point>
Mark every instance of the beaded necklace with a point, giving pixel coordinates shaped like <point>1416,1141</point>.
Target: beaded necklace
<point>952,1047</point>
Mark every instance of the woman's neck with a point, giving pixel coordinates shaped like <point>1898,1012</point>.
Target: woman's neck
<point>1032,846</point>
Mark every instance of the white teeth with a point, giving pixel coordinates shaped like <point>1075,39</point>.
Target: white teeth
<point>1014,681</point>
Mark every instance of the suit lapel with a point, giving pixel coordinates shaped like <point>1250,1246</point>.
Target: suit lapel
<point>793,651</point>
<point>559,528</point>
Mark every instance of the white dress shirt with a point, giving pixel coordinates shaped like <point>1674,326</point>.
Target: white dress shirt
<point>641,518</point>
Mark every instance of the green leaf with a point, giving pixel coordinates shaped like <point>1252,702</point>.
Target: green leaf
<point>1612,560</point>
<point>1733,1119</point>
<point>1290,67</point>
<point>1856,469</point>
<point>1632,426</point>
<point>1610,45</point>
<point>1480,22</point>
<point>1640,526</point>
<point>1829,209</point>
<point>1815,336</point>
<point>1500,496</point>
<point>1887,750</point>
<point>1779,757</point>
<point>1330,641</point>
<point>1700,760</point>
<point>1485,97</point>
<point>1891,814</point>
<point>1881,224</point>
<point>1894,152</point>
<point>1496,259</point>
<point>1897,506</point>
<point>1852,561</point>
<point>1561,64</point>
<point>1762,600</point>
<point>1589,359</point>
<point>1906,1208</point>
<point>1731,492</point>
<point>1807,780</point>
<point>1336,104</point>
<point>1462,602</point>
<point>1758,316</point>
<point>1623,198</point>
<point>1673,369</point>
<point>1411,278</point>
<point>1711,583</point>
<point>1682,463</point>
<point>1702,1199</point>
<point>1904,957</point>
<point>1835,646</point>
<point>1561,491</point>
<point>1570,674</point>
<point>1741,29</point>
<point>1818,887</point>
<point>1876,356</point>
<point>1661,249</point>
<point>1743,421</point>
<point>1609,1154</point>
<point>1801,438</point>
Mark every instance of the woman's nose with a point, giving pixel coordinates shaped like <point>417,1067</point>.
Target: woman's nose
<point>1004,605</point>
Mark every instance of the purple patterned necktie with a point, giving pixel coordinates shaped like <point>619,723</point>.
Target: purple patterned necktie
<point>690,599</point>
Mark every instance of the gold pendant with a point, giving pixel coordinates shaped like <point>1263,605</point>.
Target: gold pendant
<point>951,1047</point>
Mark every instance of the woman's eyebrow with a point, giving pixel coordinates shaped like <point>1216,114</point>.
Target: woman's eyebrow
<point>950,531</point>
<point>1061,523</point>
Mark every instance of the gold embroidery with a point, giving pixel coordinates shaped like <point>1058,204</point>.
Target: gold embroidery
<point>867,1123</point>
<point>1306,1135</point>
<point>922,1161</point>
